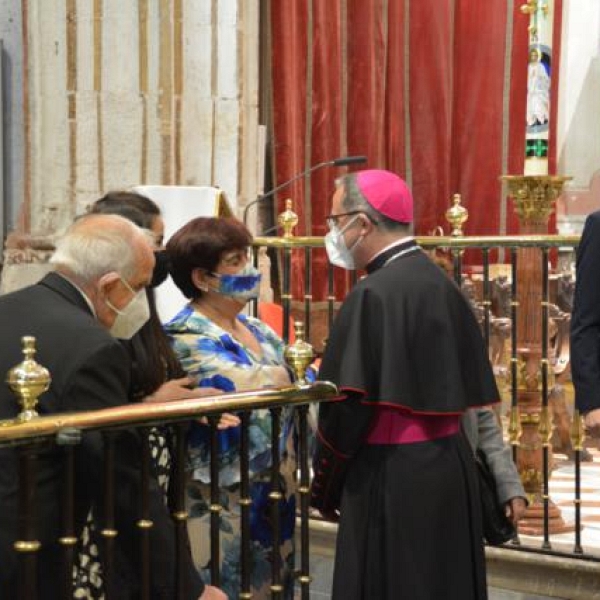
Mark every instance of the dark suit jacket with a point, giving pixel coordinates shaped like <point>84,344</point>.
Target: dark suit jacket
<point>585,320</point>
<point>90,370</point>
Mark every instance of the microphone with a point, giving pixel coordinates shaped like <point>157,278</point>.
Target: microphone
<point>348,160</point>
<point>337,162</point>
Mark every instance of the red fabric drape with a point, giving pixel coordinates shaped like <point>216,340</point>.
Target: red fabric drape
<point>419,87</point>
<point>430,53</point>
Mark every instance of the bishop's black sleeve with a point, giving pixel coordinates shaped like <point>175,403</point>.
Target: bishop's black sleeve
<point>349,361</point>
<point>343,425</point>
<point>585,320</point>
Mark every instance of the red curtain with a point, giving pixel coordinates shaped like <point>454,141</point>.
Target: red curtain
<point>434,90</point>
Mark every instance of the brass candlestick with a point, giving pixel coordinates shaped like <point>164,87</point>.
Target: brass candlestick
<point>300,354</point>
<point>28,380</point>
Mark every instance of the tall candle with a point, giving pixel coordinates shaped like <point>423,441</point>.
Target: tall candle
<point>541,16</point>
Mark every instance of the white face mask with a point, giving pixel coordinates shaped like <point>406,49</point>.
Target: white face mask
<point>131,318</point>
<point>337,251</point>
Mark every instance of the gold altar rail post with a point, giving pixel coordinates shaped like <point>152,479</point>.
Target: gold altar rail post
<point>534,193</point>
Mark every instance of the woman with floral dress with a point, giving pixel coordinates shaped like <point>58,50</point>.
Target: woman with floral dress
<point>221,348</point>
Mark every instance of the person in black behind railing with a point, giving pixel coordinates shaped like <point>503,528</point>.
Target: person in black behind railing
<point>585,326</point>
<point>102,266</point>
<point>391,462</point>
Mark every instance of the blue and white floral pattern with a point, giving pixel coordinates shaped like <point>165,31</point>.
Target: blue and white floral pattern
<point>214,358</point>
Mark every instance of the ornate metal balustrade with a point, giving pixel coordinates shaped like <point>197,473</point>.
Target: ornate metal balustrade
<point>32,435</point>
<point>531,399</point>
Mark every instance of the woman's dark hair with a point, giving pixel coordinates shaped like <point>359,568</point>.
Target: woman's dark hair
<point>200,244</point>
<point>128,205</point>
<point>153,359</point>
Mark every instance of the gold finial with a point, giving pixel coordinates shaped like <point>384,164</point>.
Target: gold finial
<point>299,354</point>
<point>288,219</point>
<point>28,380</point>
<point>514,427</point>
<point>456,215</point>
<point>577,431</point>
<point>533,6</point>
<point>529,8</point>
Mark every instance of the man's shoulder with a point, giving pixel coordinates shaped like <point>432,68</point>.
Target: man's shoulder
<point>410,275</point>
<point>592,222</point>
<point>60,323</point>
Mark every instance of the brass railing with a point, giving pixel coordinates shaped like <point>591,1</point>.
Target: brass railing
<point>32,435</point>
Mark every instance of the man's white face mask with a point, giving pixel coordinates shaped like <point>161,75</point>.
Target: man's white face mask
<point>337,251</point>
<point>131,318</point>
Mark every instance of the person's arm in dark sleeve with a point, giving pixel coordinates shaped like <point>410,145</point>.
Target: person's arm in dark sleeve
<point>585,320</point>
<point>343,425</point>
<point>351,361</point>
<point>498,456</point>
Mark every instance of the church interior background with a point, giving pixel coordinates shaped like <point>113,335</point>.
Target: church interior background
<point>245,95</point>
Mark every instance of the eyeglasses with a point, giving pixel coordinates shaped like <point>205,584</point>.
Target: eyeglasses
<point>331,220</point>
<point>233,259</point>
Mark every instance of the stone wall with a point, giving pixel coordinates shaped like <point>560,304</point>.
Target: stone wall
<point>117,94</point>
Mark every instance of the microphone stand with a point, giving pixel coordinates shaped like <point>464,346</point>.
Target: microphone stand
<point>338,162</point>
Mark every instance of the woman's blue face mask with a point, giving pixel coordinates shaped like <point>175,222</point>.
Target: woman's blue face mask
<point>242,286</point>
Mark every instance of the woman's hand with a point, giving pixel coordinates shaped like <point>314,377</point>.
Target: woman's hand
<point>226,421</point>
<point>515,509</point>
<point>180,389</point>
<point>592,423</point>
<point>213,593</point>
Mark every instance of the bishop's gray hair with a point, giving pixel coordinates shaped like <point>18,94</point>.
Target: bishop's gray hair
<point>89,253</point>
<point>354,201</point>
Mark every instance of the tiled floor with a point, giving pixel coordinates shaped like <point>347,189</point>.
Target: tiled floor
<point>561,488</point>
<point>561,492</point>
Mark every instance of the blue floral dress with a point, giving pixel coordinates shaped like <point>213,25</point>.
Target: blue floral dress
<point>216,359</point>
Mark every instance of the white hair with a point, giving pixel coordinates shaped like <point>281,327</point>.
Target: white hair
<point>90,252</point>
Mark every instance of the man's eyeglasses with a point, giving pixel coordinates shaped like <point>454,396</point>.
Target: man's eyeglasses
<point>331,220</point>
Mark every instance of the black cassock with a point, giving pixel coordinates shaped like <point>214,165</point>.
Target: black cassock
<point>410,526</point>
